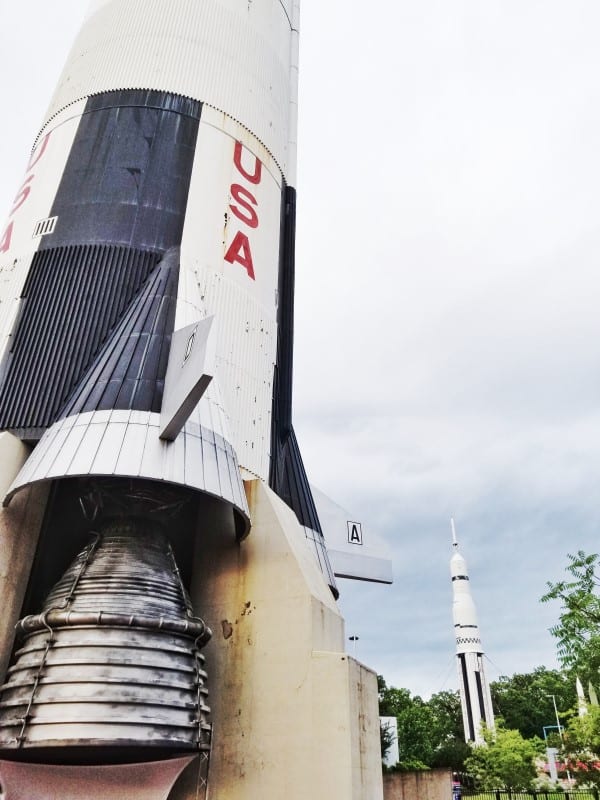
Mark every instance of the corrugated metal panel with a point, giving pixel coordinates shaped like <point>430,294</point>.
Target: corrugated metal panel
<point>246,347</point>
<point>231,54</point>
<point>12,279</point>
<point>129,371</point>
<point>293,485</point>
<point>53,347</point>
<point>95,443</point>
<point>125,182</point>
<point>244,307</point>
<point>294,72</point>
<point>294,489</point>
<point>320,552</point>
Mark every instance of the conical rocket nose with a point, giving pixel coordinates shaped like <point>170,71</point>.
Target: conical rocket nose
<point>113,658</point>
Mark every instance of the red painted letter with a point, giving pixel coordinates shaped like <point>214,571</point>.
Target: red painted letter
<point>237,160</point>
<point>244,198</point>
<point>22,195</point>
<point>239,250</point>
<point>38,152</point>
<point>6,237</point>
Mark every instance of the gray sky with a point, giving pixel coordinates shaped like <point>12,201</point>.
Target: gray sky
<point>447,342</point>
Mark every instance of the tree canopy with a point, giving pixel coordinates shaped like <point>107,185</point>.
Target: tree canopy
<point>430,733</point>
<point>525,703</point>
<point>581,746</point>
<point>578,628</point>
<point>505,762</point>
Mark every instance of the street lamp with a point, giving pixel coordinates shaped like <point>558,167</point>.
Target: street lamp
<point>559,726</point>
<point>354,640</point>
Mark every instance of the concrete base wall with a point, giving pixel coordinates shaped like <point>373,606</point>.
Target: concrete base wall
<point>435,784</point>
<point>294,717</point>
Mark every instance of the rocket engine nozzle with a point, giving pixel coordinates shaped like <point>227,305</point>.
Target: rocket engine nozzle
<point>113,659</point>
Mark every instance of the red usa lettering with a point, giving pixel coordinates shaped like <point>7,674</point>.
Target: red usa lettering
<point>23,193</point>
<point>6,238</point>
<point>244,207</point>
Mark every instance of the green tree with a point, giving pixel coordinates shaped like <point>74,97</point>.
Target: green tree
<point>429,732</point>
<point>451,748</point>
<point>417,735</point>
<point>506,761</point>
<point>581,746</point>
<point>392,701</point>
<point>524,701</point>
<point>453,753</point>
<point>448,713</point>
<point>578,628</point>
<point>387,737</point>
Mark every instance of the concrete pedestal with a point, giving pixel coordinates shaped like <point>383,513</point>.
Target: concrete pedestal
<point>294,716</point>
<point>20,525</point>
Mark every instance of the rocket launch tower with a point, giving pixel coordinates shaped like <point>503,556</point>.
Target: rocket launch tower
<point>475,697</point>
<point>146,321</point>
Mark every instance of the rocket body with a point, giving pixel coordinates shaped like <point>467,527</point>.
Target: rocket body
<point>476,701</point>
<point>169,146</point>
<point>153,230</point>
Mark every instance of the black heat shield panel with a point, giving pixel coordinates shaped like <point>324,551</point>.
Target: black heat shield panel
<point>287,475</point>
<point>292,483</point>
<point>74,297</point>
<point>128,173</point>
<point>130,369</point>
<point>120,205</point>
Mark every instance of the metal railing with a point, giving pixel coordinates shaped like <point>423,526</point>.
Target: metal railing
<point>508,794</point>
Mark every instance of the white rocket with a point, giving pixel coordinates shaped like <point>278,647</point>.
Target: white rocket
<point>146,326</point>
<point>475,697</point>
<point>582,706</point>
<point>146,337</point>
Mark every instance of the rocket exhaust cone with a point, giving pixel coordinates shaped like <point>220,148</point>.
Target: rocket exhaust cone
<point>112,662</point>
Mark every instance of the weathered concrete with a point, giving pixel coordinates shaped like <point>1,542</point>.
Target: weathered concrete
<point>294,717</point>
<point>434,784</point>
<point>20,525</point>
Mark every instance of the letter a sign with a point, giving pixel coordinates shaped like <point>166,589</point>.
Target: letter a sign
<point>354,533</point>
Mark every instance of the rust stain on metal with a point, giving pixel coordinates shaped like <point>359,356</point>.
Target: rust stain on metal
<point>227,628</point>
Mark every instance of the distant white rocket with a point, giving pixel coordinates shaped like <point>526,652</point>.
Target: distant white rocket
<point>475,697</point>
<point>582,706</point>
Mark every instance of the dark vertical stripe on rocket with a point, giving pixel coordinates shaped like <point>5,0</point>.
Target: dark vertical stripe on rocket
<point>120,205</point>
<point>480,696</point>
<point>465,680</point>
<point>287,476</point>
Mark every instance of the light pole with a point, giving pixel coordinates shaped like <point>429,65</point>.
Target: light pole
<point>354,640</point>
<point>559,726</point>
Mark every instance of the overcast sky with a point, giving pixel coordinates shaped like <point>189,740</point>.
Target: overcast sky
<point>448,337</point>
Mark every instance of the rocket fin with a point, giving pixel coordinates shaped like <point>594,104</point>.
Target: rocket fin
<point>190,370</point>
<point>290,482</point>
<point>354,551</point>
